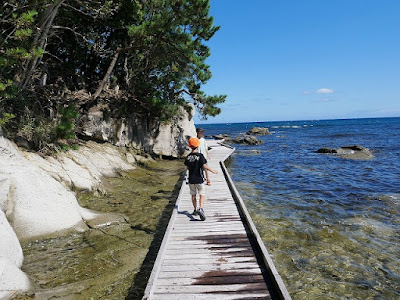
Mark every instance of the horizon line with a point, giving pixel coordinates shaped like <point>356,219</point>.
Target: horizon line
<point>300,120</point>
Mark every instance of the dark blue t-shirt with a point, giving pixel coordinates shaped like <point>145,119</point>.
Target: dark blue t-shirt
<point>195,161</point>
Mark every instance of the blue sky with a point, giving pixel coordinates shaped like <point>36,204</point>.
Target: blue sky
<point>298,60</point>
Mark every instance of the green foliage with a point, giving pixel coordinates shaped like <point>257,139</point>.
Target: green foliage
<point>66,126</point>
<point>6,118</point>
<point>39,131</point>
<point>153,52</point>
<point>16,44</point>
<point>207,105</point>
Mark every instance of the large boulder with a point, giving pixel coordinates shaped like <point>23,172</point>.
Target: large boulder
<point>247,140</point>
<point>149,135</point>
<point>33,201</point>
<point>355,152</point>
<point>258,131</point>
<point>221,136</point>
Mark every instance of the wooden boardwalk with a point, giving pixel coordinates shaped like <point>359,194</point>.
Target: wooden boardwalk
<point>222,257</point>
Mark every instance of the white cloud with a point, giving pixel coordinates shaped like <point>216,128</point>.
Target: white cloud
<point>324,100</point>
<point>324,91</point>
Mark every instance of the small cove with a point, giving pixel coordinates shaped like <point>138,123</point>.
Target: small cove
<point>112,262</point>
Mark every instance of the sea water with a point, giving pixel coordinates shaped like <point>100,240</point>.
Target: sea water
<point>332,225</point>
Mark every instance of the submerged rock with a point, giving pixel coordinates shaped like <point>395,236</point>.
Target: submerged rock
<point>259,131</point>
<point>356,152</point>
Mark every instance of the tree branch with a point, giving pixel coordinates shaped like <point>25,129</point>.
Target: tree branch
<point>73,31</point>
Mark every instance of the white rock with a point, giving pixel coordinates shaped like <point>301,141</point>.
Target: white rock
<point>172,138</point>
<point>130,158</point>
<point>9,247</point>
<point>80,177</point>
<point>51,166</point>
<point>11,277</point>
<point>36,203</point>
<point>83,161</point>
<point>41,205</point>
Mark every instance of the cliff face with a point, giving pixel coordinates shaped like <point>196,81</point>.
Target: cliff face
<point>148,135</point>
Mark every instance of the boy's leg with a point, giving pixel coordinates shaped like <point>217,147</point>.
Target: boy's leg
<point>193,192</point>
<point>194,202</point>
<point>202,199</point>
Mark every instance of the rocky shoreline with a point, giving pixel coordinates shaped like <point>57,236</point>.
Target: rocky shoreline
<point>38,193</point>
<point>114,261</point>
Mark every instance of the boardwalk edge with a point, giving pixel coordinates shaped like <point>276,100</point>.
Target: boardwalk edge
<point>271,269</point>
<point>148,293</point>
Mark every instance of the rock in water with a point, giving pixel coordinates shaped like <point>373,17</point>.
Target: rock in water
<point>221,136</point>
<point>355,152</point>
<point>258,131</point>
<point>247,140</point>
<point>326,150</point>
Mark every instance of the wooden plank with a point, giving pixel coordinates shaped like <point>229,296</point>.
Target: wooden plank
<point>208,267</point>
<point>235,288</point>
<point>209,238</point>
<point>203,245</point>
<point>210,231</point>
<point>214,296</point>
<point>177,251</point>
<point>212,280</point>
<point>208,255</point>
<point>199,273</point>
<point>208,261</point>
<point>218,222</point>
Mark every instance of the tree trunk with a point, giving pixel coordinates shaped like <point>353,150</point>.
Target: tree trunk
<point>107,75</point>
<point>40,41</point>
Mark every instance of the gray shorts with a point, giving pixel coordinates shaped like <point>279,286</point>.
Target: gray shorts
<point>197,188</point>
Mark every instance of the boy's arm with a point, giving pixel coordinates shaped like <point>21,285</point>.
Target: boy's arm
<point>209,169</point>
<point>206,146</point>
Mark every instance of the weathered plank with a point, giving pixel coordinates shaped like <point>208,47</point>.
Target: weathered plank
<point>214,296</point>
<point>201,289</point>
<point>212,267</point>
<point>198,273</point>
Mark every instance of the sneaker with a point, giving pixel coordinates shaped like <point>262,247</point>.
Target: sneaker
<point>194,212</point>
<point>200,212</point>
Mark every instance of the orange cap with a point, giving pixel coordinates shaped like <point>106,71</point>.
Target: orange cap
<point>194,142</point>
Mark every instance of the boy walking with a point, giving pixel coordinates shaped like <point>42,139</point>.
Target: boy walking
<point>195,163</point>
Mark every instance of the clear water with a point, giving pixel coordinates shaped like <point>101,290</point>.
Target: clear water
<point>331,224</point>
